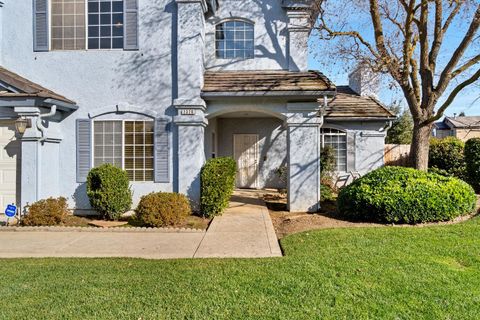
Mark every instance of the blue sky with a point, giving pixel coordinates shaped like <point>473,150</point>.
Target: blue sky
<point>467,101</point>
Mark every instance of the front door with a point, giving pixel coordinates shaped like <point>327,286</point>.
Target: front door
<point>246,154</point>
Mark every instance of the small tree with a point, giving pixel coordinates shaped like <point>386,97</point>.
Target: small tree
<point>328,165</point>
<point>472,158</point>
<point>402,127</point>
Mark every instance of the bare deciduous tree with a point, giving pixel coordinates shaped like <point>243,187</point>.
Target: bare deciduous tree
<point>407,40</point>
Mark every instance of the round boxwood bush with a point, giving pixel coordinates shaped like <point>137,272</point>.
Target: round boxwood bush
<point>47,212</point>
<point>472,158</point>
<point>405,195</point>
<point>108,190</point>
<point>447,154</point>
<point>218,182</point>
<point>163,209</point>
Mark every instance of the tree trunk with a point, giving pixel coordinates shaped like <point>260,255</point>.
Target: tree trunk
<point>420,146</point>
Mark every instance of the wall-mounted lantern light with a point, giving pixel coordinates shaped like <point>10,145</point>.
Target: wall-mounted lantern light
<point>21,124</point>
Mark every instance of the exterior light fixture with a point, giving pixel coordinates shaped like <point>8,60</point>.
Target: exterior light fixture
<point>21,124</point>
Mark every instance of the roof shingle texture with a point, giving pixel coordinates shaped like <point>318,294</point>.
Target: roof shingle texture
<point>27,87</point>
<point>255,81</point>
<point>348,104</point>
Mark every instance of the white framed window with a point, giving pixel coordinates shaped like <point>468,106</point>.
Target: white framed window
<point>68,24</point>
<point>85,24</point>
<point>105,24</point>
<point>337,139</point>
<point>234,39</point>
<point>128,144</point>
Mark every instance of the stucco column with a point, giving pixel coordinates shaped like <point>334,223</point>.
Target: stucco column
<point>303,162</point>
<point>190,47</point>
<point>191,124</point>
<point>298,32</point>
<point>40,159</point>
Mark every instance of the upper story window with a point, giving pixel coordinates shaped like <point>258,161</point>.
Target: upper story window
<point>234,39</point>
<point>105,24</point>
<point>338,141</point>
<point>68,25</point>
<point>85,24</point>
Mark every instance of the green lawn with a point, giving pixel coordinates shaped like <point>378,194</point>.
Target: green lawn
<point>388,273</point>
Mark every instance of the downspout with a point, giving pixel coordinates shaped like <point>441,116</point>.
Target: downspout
<point>53,111</point>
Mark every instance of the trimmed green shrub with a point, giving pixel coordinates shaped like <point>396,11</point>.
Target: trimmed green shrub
<point>447,154</point>
<point>406,195</point>
<point>326,193</point>
<point>108,189</point>
<point>218,181</point>
<point>472,158</point>
<point>163,209</point>
<point>47,212</point>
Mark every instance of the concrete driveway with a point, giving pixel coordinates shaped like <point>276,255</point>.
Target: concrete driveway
<point>244,231</point>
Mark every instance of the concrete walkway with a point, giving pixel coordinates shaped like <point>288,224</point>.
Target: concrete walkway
<point>244,231</point>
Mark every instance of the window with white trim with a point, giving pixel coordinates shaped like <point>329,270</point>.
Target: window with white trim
<point>82,24</point>
<point>337,139</point>
<point>105,24</point>
<point>126,144</point>
<point>68,25</point>
<point>234,39</point>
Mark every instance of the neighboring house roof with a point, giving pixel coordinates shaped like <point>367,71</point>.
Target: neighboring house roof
<point>348,104</point>
<point>13,85</point>
<point>265,83</point>
<point>441,126</point>
<point>465,122</point>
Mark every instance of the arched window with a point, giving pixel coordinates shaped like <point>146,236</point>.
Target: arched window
<point>234,39</point>
<point>338,141</point>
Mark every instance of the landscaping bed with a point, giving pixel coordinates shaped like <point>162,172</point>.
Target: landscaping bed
<point>286,223</point>
<point>93,222</point>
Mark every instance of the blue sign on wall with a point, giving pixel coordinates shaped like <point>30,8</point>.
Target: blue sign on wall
<point>11,211</point>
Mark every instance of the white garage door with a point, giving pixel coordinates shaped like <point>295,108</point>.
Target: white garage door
<point>9,166</point>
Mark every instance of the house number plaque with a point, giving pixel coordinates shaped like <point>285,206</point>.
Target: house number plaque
<point>187,112</point>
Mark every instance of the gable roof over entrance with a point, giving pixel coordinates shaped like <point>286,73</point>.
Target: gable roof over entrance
<point>14,86</point>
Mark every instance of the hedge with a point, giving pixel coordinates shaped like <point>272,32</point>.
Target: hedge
<point>447,154</point>
<point>163,209</point>
<point>217,185</point>
<point>47,212</point>
<point>108,189</point>
<point>406,195</point>
<point>472,158</point>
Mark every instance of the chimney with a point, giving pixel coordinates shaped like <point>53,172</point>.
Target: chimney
<point>364,81</point>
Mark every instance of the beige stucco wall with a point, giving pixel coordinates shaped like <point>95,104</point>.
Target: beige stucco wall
<point>465,134</point>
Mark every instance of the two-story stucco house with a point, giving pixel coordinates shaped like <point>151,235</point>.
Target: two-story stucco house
<point>159,86</point>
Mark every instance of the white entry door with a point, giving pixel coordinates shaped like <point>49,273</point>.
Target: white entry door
<point>246,154</point>
<point>9,154</point>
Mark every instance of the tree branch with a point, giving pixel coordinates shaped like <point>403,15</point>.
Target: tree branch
<point>467,65</point>
<point>446,75</point>
<point>452,97</point>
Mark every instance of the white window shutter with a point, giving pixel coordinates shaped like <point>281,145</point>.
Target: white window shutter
<point>162,151</point>
<point>40,25</point>
<point>130,31</point>
<point>84,148</point>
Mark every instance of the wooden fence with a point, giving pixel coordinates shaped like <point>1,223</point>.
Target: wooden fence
<point>396,154</point>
